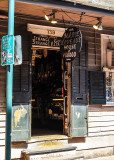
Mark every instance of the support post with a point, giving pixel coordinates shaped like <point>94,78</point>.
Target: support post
<point>9,86</point>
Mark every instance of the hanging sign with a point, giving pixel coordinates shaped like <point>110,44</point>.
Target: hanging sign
<point>7,50</point>
<point>71,43</point>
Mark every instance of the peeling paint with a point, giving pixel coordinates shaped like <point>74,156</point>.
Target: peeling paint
<point>20,112</point>
<point>78,114</point>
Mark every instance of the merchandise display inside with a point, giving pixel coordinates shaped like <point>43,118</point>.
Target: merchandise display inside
<point>47,90</point>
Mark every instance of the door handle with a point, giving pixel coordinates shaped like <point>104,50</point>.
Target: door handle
<point>65,73</point>
<point>65,105</point>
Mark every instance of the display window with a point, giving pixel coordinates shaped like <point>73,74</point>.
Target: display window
<point>109,87</point>
<point>107,66</point>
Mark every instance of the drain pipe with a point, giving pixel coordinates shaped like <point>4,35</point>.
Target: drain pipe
<point>9,86</point>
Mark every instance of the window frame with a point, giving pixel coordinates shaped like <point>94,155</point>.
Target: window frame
<point>104,40</point>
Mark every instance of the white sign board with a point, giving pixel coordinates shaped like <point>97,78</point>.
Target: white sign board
<point>46,30</point>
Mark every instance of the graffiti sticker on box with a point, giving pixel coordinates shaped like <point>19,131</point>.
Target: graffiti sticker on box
<point>7,52</point>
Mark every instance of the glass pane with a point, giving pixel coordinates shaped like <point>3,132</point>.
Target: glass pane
<point>109,87</point>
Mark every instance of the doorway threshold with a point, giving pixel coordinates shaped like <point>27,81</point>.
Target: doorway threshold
<point>49,141</point>
<point>46,135</point>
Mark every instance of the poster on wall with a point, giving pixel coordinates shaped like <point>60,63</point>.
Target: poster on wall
<point>71,44</point>
<point>7,50</point>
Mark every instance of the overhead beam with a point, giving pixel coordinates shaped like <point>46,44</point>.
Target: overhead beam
<point>40,20</point>
<point>69,6</point>
<point>3,0</point>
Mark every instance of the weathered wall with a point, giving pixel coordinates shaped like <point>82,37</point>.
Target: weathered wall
<point>99,141</point>
<point>3,32</point>
<point>105,4</point>
<point>101,121</point>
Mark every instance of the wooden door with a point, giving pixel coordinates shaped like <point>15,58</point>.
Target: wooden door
<point>77,89</point>
<point>79,107</point>
<point>22,92</point>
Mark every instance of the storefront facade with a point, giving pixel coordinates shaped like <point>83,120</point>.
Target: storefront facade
<point>84,109</point>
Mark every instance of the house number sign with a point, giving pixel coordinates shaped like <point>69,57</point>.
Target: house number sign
<point>71,43</point>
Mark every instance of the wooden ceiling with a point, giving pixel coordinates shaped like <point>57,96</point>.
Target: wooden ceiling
<point>32,10</point>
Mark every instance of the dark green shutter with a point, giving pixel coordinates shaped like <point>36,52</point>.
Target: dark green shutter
<point>79,88</point>
<point>80,77</point>
<point>112,58</point>
<point>22,92</point>
<point>97,87</point>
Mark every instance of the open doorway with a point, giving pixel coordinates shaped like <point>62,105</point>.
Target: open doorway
<point>47,95</point>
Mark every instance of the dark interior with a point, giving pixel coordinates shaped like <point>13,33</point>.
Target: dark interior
<point>47,97</point>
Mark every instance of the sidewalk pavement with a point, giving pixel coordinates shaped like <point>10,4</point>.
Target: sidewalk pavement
<point>103,158</point>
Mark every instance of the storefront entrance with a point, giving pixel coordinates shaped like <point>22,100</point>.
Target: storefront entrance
<point>47,92</point>
<point>41,105</point>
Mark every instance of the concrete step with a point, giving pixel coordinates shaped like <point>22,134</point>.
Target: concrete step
<point>50,140</point>
<point>57,158</point>
<point>103,158</point>
<point>68,157</point>
<point>38,143</point>
<point>48,152</point>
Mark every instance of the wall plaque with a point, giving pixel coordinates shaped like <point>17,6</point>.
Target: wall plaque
<point>44,40</point>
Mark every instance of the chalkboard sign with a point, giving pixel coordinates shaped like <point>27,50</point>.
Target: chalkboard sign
<point>43,40</point>
<point>71,43</point>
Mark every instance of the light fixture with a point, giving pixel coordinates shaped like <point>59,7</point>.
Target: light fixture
<point>47,17</point>
<point>53,20</point>
<point>99,24</point>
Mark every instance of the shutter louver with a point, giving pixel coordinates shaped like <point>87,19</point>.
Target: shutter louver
<point>79,86</point>
<point>97,87</point>
<point>113,58</point>
<point>22,77</point>
<point>80,77</point>
<point>17,79</point>
<point>25,77</point>
<point>82,59</point>
<point>79,116</point>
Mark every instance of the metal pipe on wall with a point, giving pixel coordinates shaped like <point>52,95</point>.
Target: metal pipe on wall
<point>9,85</point>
